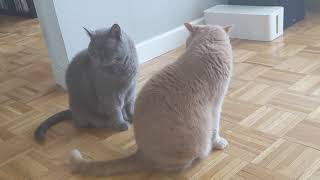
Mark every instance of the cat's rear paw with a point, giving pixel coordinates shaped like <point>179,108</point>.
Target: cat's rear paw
<point>75,161</point>
<point>219,144</point>
<point>122,126</point>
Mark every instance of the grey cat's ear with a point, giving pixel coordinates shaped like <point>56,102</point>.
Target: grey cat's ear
<point>90,33</point>
<point>116,30</point>
<point>189,27</point>
<point>228,28</point>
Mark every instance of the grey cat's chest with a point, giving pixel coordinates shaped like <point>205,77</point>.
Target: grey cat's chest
<point>114,71</point>
<point>113,79</point>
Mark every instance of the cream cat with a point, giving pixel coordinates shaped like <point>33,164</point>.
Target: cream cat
<point>177,113</point>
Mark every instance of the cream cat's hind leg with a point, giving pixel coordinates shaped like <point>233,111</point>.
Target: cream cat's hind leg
<point>218,142</point>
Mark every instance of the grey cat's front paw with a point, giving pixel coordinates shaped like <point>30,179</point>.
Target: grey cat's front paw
<point>219,143</point>
<point>129,119</point>
<point>121,126</point>
<point>125,116</point>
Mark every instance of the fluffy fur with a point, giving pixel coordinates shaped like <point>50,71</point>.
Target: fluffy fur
<point>177,113</point>
<point>101,83</point>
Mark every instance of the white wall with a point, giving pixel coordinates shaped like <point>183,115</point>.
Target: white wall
<point>155,26</point>
<point>53,37</point>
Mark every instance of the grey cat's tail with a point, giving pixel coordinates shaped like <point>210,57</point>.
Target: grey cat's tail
<point>104,168</point>
<point>40,132</point>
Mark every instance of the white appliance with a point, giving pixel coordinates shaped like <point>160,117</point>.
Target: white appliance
<point>262,23</point>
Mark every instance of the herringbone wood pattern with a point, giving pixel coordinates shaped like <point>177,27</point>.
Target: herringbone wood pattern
<point>271,115</point>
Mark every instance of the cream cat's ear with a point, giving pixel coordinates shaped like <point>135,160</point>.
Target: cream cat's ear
<point>189,27</point>
<point>90,33</point>
<point>228,28</point>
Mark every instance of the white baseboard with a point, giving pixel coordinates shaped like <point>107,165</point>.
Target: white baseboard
<point>164,43</point>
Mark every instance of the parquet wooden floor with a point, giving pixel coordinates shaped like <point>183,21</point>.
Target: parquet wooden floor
<point>271,115</point>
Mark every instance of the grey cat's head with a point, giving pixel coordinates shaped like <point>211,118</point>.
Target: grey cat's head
<point>108,46</point>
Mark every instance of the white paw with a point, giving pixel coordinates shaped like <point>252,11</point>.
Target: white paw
<point>75,160</point>
<point>220,143</point>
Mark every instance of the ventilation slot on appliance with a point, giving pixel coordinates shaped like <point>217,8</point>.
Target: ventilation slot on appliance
<point>277,22</point>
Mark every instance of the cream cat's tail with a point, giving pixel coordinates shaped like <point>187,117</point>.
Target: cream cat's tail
<point>103,168</point>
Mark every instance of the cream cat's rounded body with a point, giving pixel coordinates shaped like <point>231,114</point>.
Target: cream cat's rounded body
<point>177,112</point>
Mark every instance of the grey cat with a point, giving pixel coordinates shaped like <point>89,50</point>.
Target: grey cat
<point>101,82</point>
